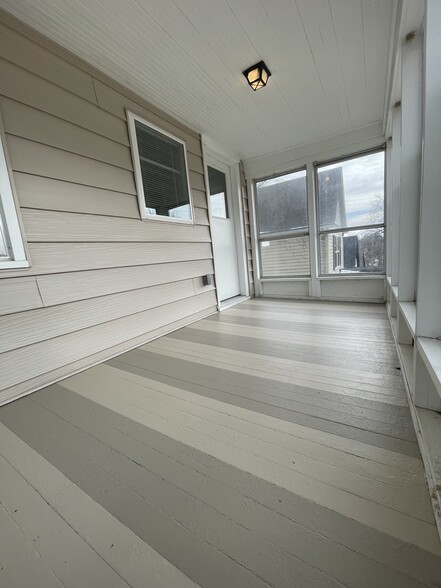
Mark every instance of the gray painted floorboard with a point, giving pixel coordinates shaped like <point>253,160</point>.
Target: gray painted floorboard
<point>268,445</point>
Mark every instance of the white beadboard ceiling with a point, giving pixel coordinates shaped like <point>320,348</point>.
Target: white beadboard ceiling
<point>329,60</point>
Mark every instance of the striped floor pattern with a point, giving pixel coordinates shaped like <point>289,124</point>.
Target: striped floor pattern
<point>268,445</point>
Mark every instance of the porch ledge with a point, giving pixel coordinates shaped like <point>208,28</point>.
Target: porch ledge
<point>408,310</point>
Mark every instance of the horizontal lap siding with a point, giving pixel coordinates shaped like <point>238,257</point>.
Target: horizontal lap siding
<point>101,280</point>
<point>247,228</point>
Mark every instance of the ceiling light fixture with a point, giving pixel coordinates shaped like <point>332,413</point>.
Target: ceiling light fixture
<point>257,75</point>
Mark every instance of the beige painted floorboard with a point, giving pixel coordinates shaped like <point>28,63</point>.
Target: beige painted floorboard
<point>267,445</point>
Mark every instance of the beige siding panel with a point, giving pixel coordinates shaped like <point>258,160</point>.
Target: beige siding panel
<point>32,361</point>
<point>30,123</point>
<point>117,104</point>
<point>68,287</point>
<point>199,286</point>
<point>30,89</point>
<point>94,264</point>
<point>94,358</point>
<point>199,198</point>
<point>49,194</point>
<point>195,162</point>
<point>197,181</point>
<point>28,55</point>
<point>50,227</point>
<point>201,217</point>
<point>41,160</point>
<point>50,258</point>
<point>27,328</point>
<point>18,294</point>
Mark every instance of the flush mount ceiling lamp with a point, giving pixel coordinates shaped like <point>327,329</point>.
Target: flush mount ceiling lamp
<point>257,75</point>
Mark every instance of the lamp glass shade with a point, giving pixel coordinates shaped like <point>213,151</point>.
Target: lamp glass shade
<point>257,75</point>
<point>253,75</point>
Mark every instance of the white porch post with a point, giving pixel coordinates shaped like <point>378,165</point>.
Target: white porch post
<point>411,74</point>
<point>388,207</point>
<point>428,321</point>
<point>314,284</point>
<point>395,200</point>
<point>428,308</point>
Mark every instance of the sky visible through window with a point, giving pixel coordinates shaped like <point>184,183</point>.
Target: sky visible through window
<point>363,180</point>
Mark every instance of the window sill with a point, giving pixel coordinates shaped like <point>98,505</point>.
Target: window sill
<point>325,278</point>
<point>167,219</point>
<point>8,265</point>
<point>408,310</point>
<point>353,277</point>
<point>287,279</point>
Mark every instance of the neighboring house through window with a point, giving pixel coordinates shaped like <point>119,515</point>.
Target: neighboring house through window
<point>161,173</point>
<point>12,251</point>
<point>351,214</point>
<point>282,215</point>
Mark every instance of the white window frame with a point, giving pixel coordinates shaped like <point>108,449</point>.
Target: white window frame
<point>317,165</point>
<point>337,253</point>
<point>131,118</point>
<point>9,217</point>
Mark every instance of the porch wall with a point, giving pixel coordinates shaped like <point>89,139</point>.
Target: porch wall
<point>101,281</point>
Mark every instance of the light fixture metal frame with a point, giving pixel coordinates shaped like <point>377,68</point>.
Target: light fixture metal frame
<point>261,66</point>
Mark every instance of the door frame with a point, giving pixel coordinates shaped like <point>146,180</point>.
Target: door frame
<point>214,156</point>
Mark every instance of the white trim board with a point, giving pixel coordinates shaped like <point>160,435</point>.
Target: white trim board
<point>330,148</point>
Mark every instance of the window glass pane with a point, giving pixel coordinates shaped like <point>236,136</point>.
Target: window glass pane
<point>218,193</point>
<point>164,174</point>
<point>350,252</point>
<point>351,192</point>
<point>282,203</point>
<point>285,257</point>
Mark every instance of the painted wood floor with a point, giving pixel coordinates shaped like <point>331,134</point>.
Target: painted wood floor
<point>269,445</point>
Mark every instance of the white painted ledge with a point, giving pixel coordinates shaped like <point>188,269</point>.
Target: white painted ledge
<point>408,310</point>
<point>427,423</point>
<point>430,350</point>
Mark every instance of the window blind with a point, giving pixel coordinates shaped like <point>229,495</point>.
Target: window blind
<point>163,172</point>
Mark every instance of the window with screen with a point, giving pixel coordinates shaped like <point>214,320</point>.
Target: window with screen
<point>351,214</point>
<point>282,218</point>
<point>12,251</point>
<point>161,173</point>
